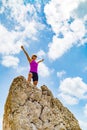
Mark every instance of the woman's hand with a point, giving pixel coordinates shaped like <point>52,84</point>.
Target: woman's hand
<point>42,59</point>
<point>22,47</point>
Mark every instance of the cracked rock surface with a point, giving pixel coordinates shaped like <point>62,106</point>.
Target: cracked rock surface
<point>31,108</point>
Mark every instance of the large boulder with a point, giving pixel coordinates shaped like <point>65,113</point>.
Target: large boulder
<point>30,108</point>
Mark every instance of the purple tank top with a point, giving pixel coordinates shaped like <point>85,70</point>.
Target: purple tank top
<point>33,66</point>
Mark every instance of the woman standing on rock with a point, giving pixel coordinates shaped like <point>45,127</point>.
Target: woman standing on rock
<point>33,73</point>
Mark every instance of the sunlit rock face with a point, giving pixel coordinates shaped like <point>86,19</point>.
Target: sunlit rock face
<point>30,108</point>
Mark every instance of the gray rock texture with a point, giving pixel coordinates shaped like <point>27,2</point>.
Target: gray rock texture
<point>30,108</point>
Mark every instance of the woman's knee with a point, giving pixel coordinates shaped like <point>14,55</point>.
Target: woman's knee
<point>30,75</point>
<point>35,82</point>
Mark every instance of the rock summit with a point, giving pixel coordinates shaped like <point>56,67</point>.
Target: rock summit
<point>31,108</point>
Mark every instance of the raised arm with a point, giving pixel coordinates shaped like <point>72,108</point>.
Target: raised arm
<point>28,57</point>
<point>40,60</point>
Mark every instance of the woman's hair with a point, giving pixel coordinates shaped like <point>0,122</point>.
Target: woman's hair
<point>34,56</point>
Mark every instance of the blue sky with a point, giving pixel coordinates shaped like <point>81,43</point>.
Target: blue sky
<point>56,31</point>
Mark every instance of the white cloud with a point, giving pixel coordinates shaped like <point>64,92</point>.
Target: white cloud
<point>26,26</point>
<point>60,46</point>
<point>57,14</point>
<point>10,42</point>
<point>71,90</point>
<point>61,74</point>
<point>24,15</point>
<point>41,54</point>
<point>78,28</point>
<point>68,99</point>
<point>10,61</point>
<point>44,71</point>
<point>1,122</point>
<point>83,124</point>
<point>85,110</point>
<point>21,69</point>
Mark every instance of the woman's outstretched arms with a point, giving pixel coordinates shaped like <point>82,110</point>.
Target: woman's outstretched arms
<point>40,60</point>
<point>28,57</point>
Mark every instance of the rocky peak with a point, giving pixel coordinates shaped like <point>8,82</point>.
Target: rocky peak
<point>31,108</point>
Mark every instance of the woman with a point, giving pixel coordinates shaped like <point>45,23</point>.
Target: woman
<point>33,73</point>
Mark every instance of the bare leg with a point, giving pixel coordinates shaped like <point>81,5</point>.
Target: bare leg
<point>35,83</point>
<point>29,77</point>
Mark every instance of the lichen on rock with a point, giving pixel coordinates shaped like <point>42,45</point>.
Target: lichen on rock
<point>30,108</point>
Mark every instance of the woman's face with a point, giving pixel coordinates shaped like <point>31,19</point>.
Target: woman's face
<point>34,57</point>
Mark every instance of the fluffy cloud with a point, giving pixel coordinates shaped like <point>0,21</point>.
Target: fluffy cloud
<point>9,41</point>
<point>22,69</point>
<point>59,46</point>
<point>63,19</point>
<point>71,90</point>
<point>41,54</point>
<point>44,71</point>
<point>85,110</point>
<point>58,11</point>
<point>68,99</point>
<point>10,61</point>
<point>1,122</point>
<point>61,74</point>
<point>83,125</point>
<point>25,25</point>
<point>25,16</point>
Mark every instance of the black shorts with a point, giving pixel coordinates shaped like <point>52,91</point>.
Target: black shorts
<point>34,76</point>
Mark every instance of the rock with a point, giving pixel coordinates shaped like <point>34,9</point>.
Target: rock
<point>30,108</point>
